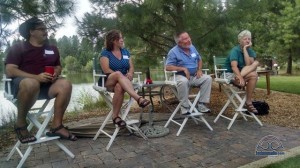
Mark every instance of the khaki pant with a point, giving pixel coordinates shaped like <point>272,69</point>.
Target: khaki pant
<point>183,84</point>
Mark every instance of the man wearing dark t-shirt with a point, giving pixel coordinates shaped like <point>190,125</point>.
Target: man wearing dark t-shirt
<point>25,64</point>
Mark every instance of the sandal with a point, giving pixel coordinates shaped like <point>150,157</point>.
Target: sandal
<point>143,103</point>
<point>251,108</point>
<point>24,138</point>
<point>53,132</point>
<point>121,123</point>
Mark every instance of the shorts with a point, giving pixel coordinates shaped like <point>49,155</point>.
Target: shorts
<point>44,88</point>
<point>229,75</point>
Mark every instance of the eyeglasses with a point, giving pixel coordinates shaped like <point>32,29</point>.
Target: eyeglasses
<point>41,29</point>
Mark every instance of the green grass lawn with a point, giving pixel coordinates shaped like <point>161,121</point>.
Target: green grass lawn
<point>293,162</point>
<point>288,84</point>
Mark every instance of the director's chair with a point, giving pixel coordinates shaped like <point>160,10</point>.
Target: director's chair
<point>236,97</point>
<point>131,124</point>
<point>170,80</point>
<point>37,112</point>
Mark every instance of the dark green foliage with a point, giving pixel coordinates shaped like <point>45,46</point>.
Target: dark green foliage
<point>21,10</point>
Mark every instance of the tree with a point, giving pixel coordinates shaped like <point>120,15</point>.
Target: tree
<point>85,52</point>
<point>82,51</point>
<point>286,32</point>
<point>71,64</point>
<point>156,21</point>
<point>65,47</point>
<point>19,10</point>
<point>1,62</point>
<point>149,25</point>
<point>94,26</point>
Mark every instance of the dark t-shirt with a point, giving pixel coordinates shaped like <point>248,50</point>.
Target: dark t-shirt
<point>32,59</point>
<point>236,54</point>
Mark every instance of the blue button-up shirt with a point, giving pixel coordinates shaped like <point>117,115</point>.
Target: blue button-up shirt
<point>177,57</point>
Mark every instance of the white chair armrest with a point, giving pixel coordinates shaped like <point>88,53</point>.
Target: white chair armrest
<point>7,93</point>
<point>221,80</point>
<point>205,71</point>
<point>100,76</point>
<point>223,72</point>
<point>138,78</point>
<point>6,79</point>
<point>170,74</point>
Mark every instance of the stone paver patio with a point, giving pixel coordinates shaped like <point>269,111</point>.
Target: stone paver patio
<point>196,146</point>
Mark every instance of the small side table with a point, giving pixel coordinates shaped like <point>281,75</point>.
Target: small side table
<point>151,130</point>
<point>267,74</point>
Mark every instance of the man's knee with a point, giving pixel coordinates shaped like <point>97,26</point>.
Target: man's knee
<point>29,85</point>
<point>182,81</point>
<point>206,78</point>
<point>62,85</point>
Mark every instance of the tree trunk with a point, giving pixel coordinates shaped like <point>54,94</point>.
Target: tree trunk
<point>290,62</point>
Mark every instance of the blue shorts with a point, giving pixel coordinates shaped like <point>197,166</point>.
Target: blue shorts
<point>44,88</point>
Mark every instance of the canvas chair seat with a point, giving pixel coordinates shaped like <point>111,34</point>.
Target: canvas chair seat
<point>131,124</point>
<point>236,97</point>
<point>195,115</point>
<point>38,116</point>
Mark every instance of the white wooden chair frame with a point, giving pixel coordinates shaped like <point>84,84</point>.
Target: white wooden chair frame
<point>131,124</point>
<point>235,97</point>
<point>170,79</point>
<point>33,117</point>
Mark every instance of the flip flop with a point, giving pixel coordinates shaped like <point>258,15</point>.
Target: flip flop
<point>27,138</point>
<point>53,132</point>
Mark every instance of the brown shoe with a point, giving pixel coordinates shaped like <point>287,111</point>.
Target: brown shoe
<point>251,108</point>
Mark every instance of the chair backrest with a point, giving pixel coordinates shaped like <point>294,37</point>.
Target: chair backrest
<point>97,71</point>
<point>96,65</point>
<point>7,86</point>
<point>170,77</point>
<point>219,63</point>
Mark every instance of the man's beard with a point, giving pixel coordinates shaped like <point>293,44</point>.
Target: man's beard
<point>187,46</point>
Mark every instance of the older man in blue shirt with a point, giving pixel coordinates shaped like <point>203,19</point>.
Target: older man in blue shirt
<point>185,59</point>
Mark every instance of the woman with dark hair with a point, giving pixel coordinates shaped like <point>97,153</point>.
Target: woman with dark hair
<point>116,63</point>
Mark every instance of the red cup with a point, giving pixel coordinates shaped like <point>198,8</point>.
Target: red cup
<point>49,69</point>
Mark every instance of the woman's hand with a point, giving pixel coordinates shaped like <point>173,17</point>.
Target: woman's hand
<point>248,45</point>
<point>241,81</point>
<point>129,76</point>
